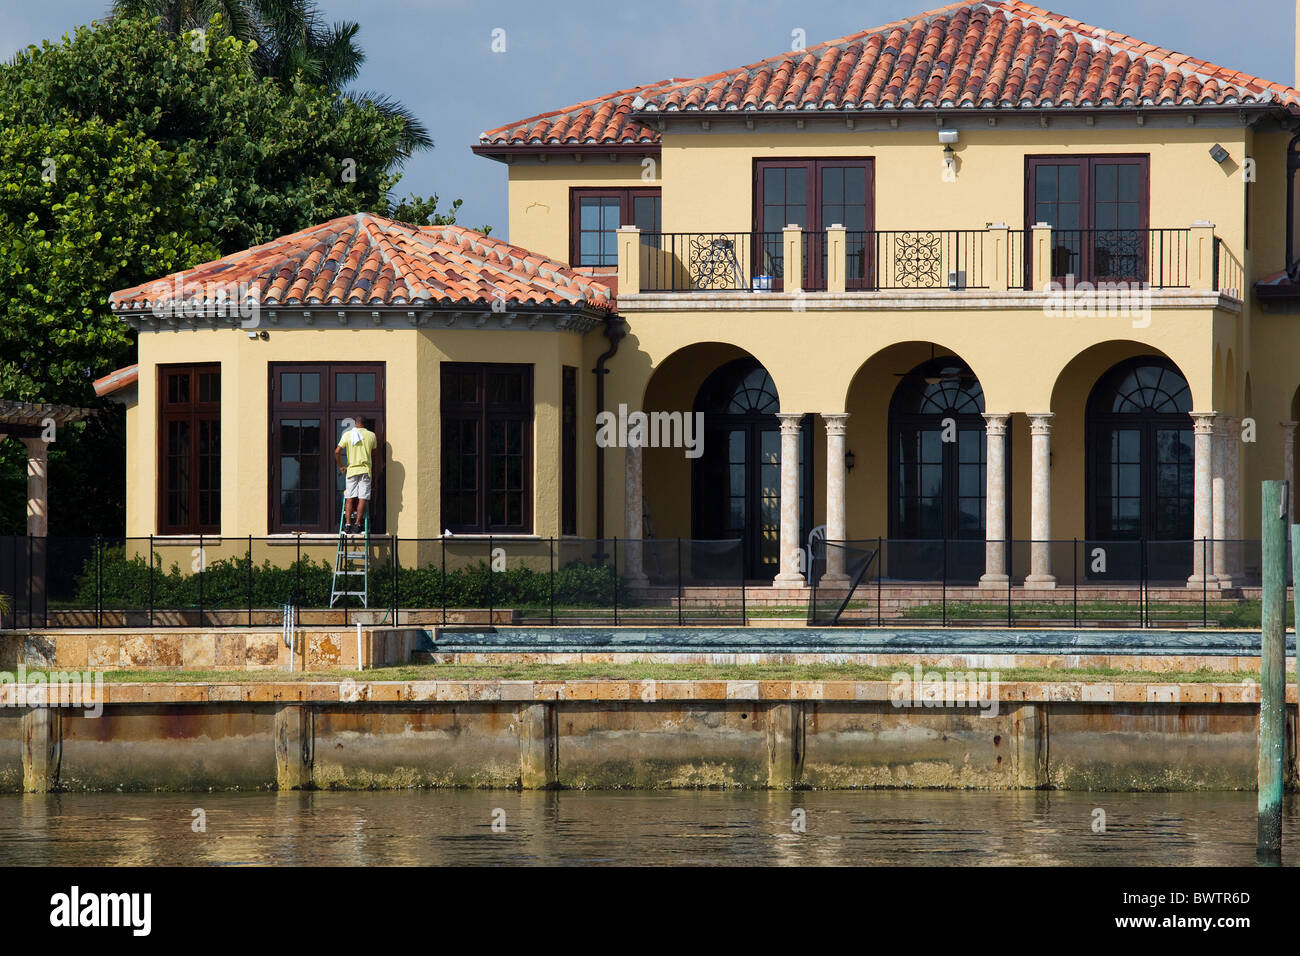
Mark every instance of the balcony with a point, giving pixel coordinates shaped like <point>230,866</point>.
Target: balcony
<point>989,260</point>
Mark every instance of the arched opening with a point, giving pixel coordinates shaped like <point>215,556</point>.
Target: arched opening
<point>937,463</point>
<point>1142,465</point>
<point>736,481</point>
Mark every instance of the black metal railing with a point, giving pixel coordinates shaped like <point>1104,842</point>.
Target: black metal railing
<point>916,259</point>
<point>711,261</point>
<point>222,581</point>
<point>1157,258</point>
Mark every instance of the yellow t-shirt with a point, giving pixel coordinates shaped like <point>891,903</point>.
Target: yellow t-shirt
<point>359,453</point>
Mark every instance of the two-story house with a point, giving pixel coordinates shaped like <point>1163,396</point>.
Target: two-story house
<point>974,282</point>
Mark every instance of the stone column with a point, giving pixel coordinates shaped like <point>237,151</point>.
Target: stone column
<point>1233,466</point>
<point>995,501</point>
<point>38,508</point>
<point>790,575</point>
<point>1040,508</point>
<point>837,521</point>
<point>1288,462</point>
<point>633,510</point>
<point>1219,503</point>
<point>1203,503</point>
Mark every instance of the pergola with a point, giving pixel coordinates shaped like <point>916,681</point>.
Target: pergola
<point>35,424</point>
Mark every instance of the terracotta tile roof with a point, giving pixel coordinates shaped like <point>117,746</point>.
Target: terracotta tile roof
<point>117,380</point>
<point>998,54</point>
<point>602,121</point>
<point>365,260</point>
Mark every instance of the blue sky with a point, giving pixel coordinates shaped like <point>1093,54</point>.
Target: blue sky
<point>436,55</point>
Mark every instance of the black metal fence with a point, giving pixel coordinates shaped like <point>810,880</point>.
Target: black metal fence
<point>1154,257</point>
<point>1060,583</point>
<point>209,581</point>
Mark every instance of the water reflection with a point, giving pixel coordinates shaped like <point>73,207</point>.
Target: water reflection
<point>694,828</point>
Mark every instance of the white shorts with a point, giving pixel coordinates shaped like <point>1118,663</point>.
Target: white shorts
<point>357,486</point>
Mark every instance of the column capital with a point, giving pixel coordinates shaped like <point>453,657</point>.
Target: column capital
<point>837,423</point>
<point>1203,422</point>
<point>995,423</point>
<point>1040,423</point>
<point>1289,427</point>
<point>790,422</point>
<point>38,449</point>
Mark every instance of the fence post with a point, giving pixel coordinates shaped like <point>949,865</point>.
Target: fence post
<point>1205,586</point>
<point>1010,564</point>
<point>943,587</point>
<point>1074,553</point>
<point>679,582</point>
<point>99,583</point>
<point>250,580</point>
<point>550,548</point>
<point>297,570</point>
<point>880,575</point>
<point>1272,676</point>
<point>744,611</point>
<point>616,580</point>
<point>202,562</point>
<point>491,586</point>
<point>443,589</point>
<point>151,580</point>
<point>396,580</point>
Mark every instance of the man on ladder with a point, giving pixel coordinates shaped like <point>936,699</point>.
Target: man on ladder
<point>358,442</point>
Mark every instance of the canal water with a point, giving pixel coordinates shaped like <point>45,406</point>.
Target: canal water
<point>694,828</point>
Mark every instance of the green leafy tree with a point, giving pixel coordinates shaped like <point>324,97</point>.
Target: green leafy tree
<point>288,40</point>
<point>127,153</point>
<point>424,212</point>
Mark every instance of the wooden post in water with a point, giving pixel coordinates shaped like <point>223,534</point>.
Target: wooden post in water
<point>1272,670</point>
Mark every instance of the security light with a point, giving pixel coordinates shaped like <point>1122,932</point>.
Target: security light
<point>947,136</point>
<point>1218,153</point>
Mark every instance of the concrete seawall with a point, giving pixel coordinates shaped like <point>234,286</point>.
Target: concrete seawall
<point>636,734</point>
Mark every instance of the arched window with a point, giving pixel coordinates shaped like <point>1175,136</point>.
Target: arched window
<point>937,450</point>
<point>1141,460</point>
<point>740,388</point>
<point>737,479</point>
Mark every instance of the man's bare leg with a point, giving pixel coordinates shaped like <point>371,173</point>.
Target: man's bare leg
<point>361,512</point>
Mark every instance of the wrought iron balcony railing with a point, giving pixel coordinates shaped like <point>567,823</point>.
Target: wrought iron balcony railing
<point>991,259</point>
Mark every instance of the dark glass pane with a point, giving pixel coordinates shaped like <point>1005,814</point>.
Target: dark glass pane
<point>311,387</point>
<point>365,386</point>
<point>290,387</point>
<point>345,386</point>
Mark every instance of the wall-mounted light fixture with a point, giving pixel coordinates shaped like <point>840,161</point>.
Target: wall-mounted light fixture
<point>263,335</point>
<point>948,137</point>
<point>1218,154</point>
<point>850,459</point>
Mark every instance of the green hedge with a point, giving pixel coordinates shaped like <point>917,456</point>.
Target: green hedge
<point>228,583</point>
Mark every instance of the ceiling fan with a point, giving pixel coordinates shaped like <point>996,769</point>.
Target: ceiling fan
<point>947,375</point>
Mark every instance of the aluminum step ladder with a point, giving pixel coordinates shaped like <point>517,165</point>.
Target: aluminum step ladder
<point>352,561</point>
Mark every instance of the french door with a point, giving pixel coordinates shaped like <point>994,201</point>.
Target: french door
<point>1097,207</point>
<point>311,405</point>
<point>813,194</point>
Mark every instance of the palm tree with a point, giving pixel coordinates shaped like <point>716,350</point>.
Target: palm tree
<point>294,42</point>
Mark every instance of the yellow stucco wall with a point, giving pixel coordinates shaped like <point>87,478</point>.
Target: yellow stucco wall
<point>1238,362</point>
<point>413,456</point>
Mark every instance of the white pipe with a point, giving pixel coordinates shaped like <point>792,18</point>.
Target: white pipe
<point>358,645</point>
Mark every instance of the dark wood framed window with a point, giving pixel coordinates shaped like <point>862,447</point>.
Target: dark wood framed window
<point>310,405</point>
<point>814,194</point>
<point>487,448</point>
<point>596,215</point>
<point>189,449</point>
<point>1098,208</point>
<point>569,450</point>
